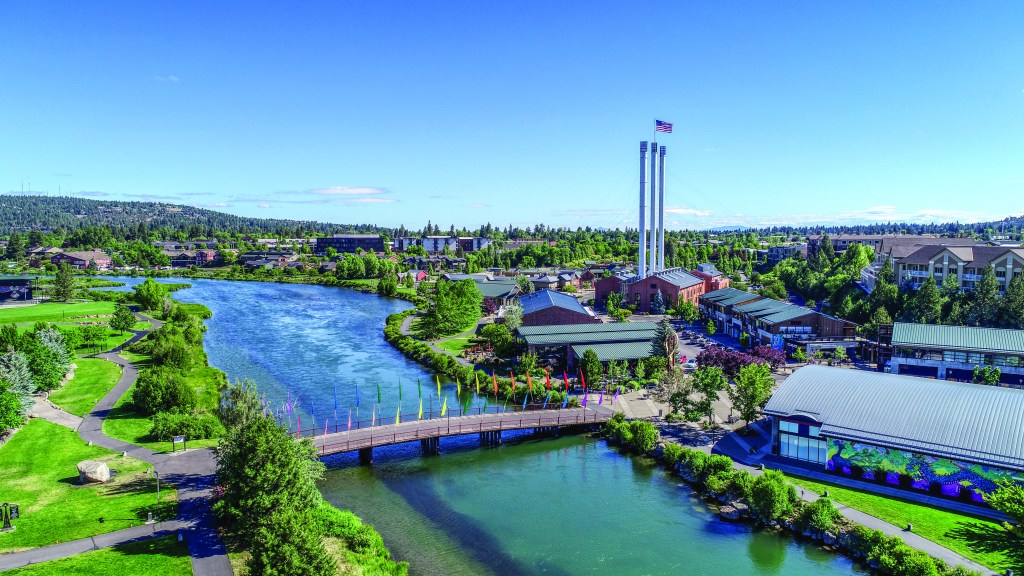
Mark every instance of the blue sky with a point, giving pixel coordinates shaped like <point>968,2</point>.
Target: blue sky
<point>520,112</point>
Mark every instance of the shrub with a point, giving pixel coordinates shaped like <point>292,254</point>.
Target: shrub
<point>644,436</point>
<point>771,497</point>
<point>163,391</point>
<point>820,515</point>
<point>695,461</point>
<point>672,454</point>
<point>192,426</point>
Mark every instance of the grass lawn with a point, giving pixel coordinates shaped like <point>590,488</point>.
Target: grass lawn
<point>416,328</point>
<point>94,377</point>
<point>53,312</point>
<point>39,473</point>
<point>154,557</point>
<point>455,345</point>
<point>977,539</point>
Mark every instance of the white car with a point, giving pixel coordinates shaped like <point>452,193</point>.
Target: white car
<point>690,365</point>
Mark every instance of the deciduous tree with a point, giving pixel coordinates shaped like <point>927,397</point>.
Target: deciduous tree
<point>751,390</point>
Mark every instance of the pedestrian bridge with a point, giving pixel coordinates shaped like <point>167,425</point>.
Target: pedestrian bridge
<point>428,432</point>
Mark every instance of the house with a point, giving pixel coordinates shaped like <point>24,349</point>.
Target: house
<point>675,284</point>
<point>964,263</point>
<point>713,279</point>
<point>479,276</point>
<point>417,276</point>
<point>718,305</point>
<point>350,243</point>
<point>328,267</point>
<point>776,254</point>
<point>546,307</point>
<point>275,255</point>
<point>95,259</point>
<point>262,264</point>
<point>544,282</point>
<point>187,258</point>
<point>609,284</point>
<point>501,292</point>
<point>952,352</point>
<point>950,439</point>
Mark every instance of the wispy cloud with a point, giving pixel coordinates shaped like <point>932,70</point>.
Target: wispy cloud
<point>348,191</point>
<point>171,78</point>
<point>687,212</point>
<point>264,205</point>
<point>218,204</point>
<point>94,193</point>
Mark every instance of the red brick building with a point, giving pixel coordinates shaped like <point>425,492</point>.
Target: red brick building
<point>712,277</point>
<point>675,285</point>
<point>547,307</point>
<point>82,260</point>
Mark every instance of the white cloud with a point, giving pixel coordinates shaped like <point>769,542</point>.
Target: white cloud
<point>95,193</point>
<point>687,212</point>
<point>171,78</point>
<point>264,205</point>
<point>348,191</point>
<point>218,204</point>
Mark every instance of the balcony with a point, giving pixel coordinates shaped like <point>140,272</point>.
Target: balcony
<point>972,277</point>
<point>918,273</point>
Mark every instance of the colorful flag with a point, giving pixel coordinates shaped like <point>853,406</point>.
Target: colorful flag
<point>357,395</point>
<point>547,377</point>
<point>582,379</point>
<point>420,417</point>
<point>565,400</point>
<point>399,390</point>
<point>438,378</point>
<point>546,398</point>
<point>525,398</point>
<point>529,382</point>
<point>349,418</point>
<point>495,375</point>
<point>444,407</point>
<point>600,399</point>
<point>660,126</point>
<point>379,401</point>
<point>398,415</point>
<point>477,378</point>
<point>373,417</point>
<point>616,397</point>
<point>298,428</point>
<point>584,402</point>
<point>565,377</point>
<point>419,389</point>
<point>458,387</point>
<point>484,409</point>
<point>325,426</point>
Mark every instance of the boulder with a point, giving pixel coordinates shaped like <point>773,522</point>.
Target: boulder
<point>92,471</point>
<point>830,539</point>
<point>729,513</point>
<point>743,509</point>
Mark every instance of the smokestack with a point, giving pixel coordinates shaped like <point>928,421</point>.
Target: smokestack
<point>654,225</point>
<point>643,231</point>
<point>661,209</point>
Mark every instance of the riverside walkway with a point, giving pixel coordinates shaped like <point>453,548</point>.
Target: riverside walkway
<point>489,425</point>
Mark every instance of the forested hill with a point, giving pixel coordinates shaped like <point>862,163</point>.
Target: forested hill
<point>22,213</point>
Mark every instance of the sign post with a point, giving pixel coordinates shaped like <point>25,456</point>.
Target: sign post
<point>176,441</point>
<point>8,512</point>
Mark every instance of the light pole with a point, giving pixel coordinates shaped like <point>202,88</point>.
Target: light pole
<point>157,474</point>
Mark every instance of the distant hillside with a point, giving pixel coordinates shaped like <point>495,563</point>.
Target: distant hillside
<point>23,213</point>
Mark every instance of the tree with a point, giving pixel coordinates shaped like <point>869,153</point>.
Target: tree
<point>94,335</point>
<point>15,247</point>
<point>1011,307</point>
<point>710,327</point>
<point>64,283</point>
<point>666,342</point>
<point>240,404</point>
<point>988,375</point>
<point>591,367</point>
<point>1009,499</point>
<point>925,305</point>
<point>687,311</point>
<point>454,307</point>
<point>708,381</point>
<point>513,315</point>
<point>840,354</point>
<point>122,320</point>
<point>387,285</point>
<point>751,391</point>
<point>984,306</point>
<point>150,294</point>
<point>657,303</point>
<point>17,376</point>
<point>771,497</point>
<point>879,317</point>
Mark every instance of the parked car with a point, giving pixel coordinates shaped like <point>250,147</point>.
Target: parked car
<point>691,364</point>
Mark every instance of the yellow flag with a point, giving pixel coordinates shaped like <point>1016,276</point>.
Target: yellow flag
<point>438,378</point>
<point>444,407</point>
<point>458,387</point>
<point>398,415</point>
<point>477,376</point>
<point>421,409</point>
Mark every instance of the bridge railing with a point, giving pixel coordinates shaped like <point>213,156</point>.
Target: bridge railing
<point>458,426</point>
<point>330,426</point>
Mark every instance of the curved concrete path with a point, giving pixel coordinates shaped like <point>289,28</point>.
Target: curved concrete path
<point>192,472</point>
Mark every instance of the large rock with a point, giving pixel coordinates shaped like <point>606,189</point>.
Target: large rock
<point>92,471</point>
<point>729,513</point>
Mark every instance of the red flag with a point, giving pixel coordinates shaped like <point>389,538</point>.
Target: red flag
<point>529,382</point>
<point>565,377</point>
<point>582,379</point>
<point>495,374</point>
<point>298,427</point>
<point>547,376</point>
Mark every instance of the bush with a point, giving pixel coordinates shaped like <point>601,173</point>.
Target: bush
<point>672,454</point>
<point>644,436</point>
<point>771,497</point>
<point>163,391</point>
<point>820,515</point>
<point>166,425</point>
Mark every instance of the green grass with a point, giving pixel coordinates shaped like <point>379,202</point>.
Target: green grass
<point>53,312</point>
<point>39,473</point>
<point>454,346</point>
<point>94,377</point>
<point>154,557</point>
<point>977,539</point>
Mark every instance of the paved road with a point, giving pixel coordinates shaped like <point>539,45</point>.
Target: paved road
<point>192,472</point>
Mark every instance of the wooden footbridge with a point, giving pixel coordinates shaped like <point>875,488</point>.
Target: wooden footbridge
<point>488,425</point>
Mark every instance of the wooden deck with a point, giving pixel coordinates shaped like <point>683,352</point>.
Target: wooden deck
<point>364,438</point>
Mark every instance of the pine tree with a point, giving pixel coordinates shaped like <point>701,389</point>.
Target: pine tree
<point>64,283</point>
<point>1011,308</point>
<point>984,306</point>
<point>15,247</point>
<point>925,305</point>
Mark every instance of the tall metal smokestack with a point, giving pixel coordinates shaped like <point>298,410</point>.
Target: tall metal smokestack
<point>661,209</point>
<point>643,230</point>
<point>654,225</point>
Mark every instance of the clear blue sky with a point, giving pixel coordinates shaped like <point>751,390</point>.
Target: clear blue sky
<point>516,112</point>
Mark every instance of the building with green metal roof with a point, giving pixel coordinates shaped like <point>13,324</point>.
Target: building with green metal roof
<point>767,321</point>
<point>952,352</point>
<point>615,341</point>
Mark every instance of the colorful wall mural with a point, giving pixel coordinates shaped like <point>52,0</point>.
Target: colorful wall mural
<point>949,478</point>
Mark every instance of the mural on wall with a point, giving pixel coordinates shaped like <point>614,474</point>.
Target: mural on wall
<point>949,477</point>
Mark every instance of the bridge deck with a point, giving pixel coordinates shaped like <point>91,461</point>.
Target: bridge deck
<point>423,429</point>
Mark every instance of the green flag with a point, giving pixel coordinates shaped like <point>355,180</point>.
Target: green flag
<point>419,388</point>
<point>399,389</point>
<point>378,394</point>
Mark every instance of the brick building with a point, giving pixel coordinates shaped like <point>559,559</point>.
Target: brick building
<point>546,307</point>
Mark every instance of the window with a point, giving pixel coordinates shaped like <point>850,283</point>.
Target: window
<point>813,431</point>
<point>785,426</point>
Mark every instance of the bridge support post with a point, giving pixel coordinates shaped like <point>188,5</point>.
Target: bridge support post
<point>490,439</point>
<point>366,455</point>
<point>431,446</point>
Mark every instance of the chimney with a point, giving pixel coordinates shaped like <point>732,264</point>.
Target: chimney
<point>654,225</point>
<point>643,231</point>
<point>661,209</point>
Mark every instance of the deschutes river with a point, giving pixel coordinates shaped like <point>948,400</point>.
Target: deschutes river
<point>566,505</point>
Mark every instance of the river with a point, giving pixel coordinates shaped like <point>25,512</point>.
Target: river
<point>554,506</point>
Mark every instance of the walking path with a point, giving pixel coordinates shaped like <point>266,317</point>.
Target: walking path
<point>406,329</point>
<point>192,472</point>
<point>47,411</point>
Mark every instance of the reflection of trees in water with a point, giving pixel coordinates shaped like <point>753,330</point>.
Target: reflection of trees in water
<point>767,551</point>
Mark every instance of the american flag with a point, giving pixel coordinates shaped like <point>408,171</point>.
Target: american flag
<point>660,126</point>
